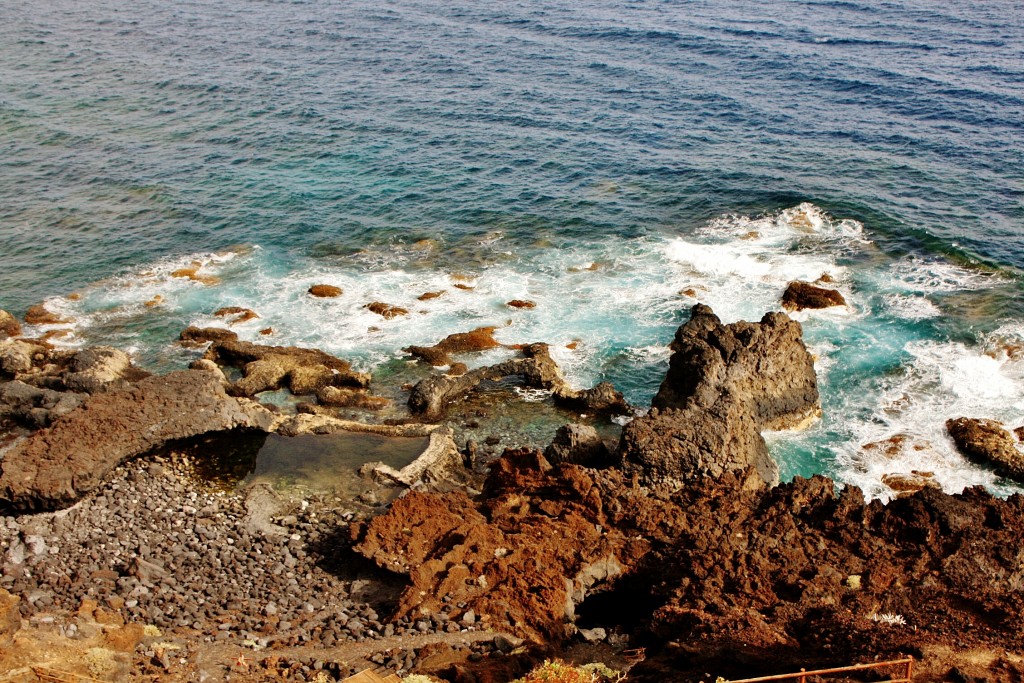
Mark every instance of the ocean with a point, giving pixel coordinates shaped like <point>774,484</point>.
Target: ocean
<point>612,161</point>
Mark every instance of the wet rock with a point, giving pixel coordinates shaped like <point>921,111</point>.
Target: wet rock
<point>54,467</point>
<point>201,335</point>
<point>350,398</point>
<point>989,443</point>
<point>266,368</point>
<point>439,354</point>
<point>802,295</point>
<point>10,619</point>
<point>9,326</point>
<point>238,314</point>
<point>908,484</point>
<point>521,303</point>
<point>430,396</point>
<point>191,272</point>
<point>725,384</point>
<point>40,315</point>
<point>387,311</point>
<point>100,368</point>
<point>578,444</point>
<point>325,291</point>
<point>427,296</point>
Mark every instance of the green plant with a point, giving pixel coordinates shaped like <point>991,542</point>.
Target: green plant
<point>555,671</point>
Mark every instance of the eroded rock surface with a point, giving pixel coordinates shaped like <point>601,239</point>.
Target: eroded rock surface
<point>989,443</point>
<point>54,467</point>
<point>802,295</point>
<point>266,368</point>
<point>725,384</point>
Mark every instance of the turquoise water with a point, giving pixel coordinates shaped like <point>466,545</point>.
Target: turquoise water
<point>598,160</point>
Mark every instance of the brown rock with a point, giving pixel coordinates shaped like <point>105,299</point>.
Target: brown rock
<point>155,301</point>
<point>266,332</point>
<point>39,315</point>
<point>266,368</point>
<point>801,295</point>
<point>989,443</point>
<point>464,287</point>
<point>577,444</point>
<point>386,310</point>
<point>202,335</point>
<point>521,303</point>
<point>895,445</point>
<point>10,618</point>
<point>1019,433</point>
<point>350,398</point>
<point>192,273</point>
<point>126,638</point>
<point>427,296</point>
<point>908,484</point>
<point>237,313</point>
<point>325,291</point>
<point>9,326</point>
<point>54,467</point>
<point>100,368</point>
<point>479,339</point>
<point>457,369</point>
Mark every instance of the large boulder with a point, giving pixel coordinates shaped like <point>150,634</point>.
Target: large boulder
<point>989,443</point>
<point>99,368</point>
<point>725,384</point>
<point>54,467</point>
<point>802,295</point>
<point>266,368</point>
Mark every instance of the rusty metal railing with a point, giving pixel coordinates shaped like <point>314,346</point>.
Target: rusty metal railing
<point>802,675</point>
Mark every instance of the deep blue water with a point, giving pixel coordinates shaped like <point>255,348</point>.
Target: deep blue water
<point>668,143</point>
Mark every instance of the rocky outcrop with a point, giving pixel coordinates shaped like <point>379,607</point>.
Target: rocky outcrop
<point>9,326</point>
<point>386,311</point>
<point>578,444</point>
<point>201,335</point>
<point>989,443</point>
<point>537,369</point>
<point>16,356</point>
<point>480,339</point>
<point>33,407</point>
<point>54,467</point>
<point>802,295</point>
<point>41,315</point>
<point>725,384</point>
<point>100,368</point>
<point>325,291</point>
<point>266,368</point>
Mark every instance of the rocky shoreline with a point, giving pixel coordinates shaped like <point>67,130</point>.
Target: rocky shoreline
<point>675,542</point>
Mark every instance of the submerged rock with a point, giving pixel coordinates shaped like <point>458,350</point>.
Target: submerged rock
<point>238,314</point>
<point>386,311</point>
<point>989,443</point>
<point>53,467</point>
<point>725,384</point>
<point>802,295</point>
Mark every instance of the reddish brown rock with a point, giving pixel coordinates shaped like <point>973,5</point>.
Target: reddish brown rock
<point>237,314</point>
<point>201,335</point>
<point>350,398</point>
<point>40,315</point>
<point>464,287</point>
<point>386,310</point>
<point>54,467</point>
<point>480,339</point>
<point>9,326</point>
<point>801,295</point>
<point>325,291</point>
<point>989,443</point>
<point>427,296</point>
<point>907,484</point>
<point>521,303</point>
<point>10,618</point>
<point>192,273</point>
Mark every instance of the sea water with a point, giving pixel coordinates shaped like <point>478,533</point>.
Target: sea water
<point>613,162</point>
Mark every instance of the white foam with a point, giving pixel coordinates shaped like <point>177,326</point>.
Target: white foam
<point>910,307</point>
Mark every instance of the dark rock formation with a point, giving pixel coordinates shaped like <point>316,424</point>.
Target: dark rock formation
<point>386,311</point>
<point>536,368</point>
<point>439,354</point>
<point>801,295</point>
<point>325,291</point>
<point>9,326</point>
<point>54,467</point>
<point>267,368</point>
<point>202,335</point>
<point>33,407</point>
<point>725,384</point>
<point>989,443</point>
<point>578,444</point>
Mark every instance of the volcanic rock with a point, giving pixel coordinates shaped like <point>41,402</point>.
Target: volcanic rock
<point>325,291</point>
<point>238,314</point>
<point>350,398</point>
<point>577,444</point>
<point>725,384</point>
<point>9,326</point>
<point>266,368</point>
<point>40,315</point>
<point>54,467</point>
<point>907,484</point>
<point>34,407</point>
<point>201,335</point>
<point>429,397</point>
<point>99,368</point>
<point>989,443</point>
<point>801,295</point>
<point>479,339</point>
<point>387,311</point>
